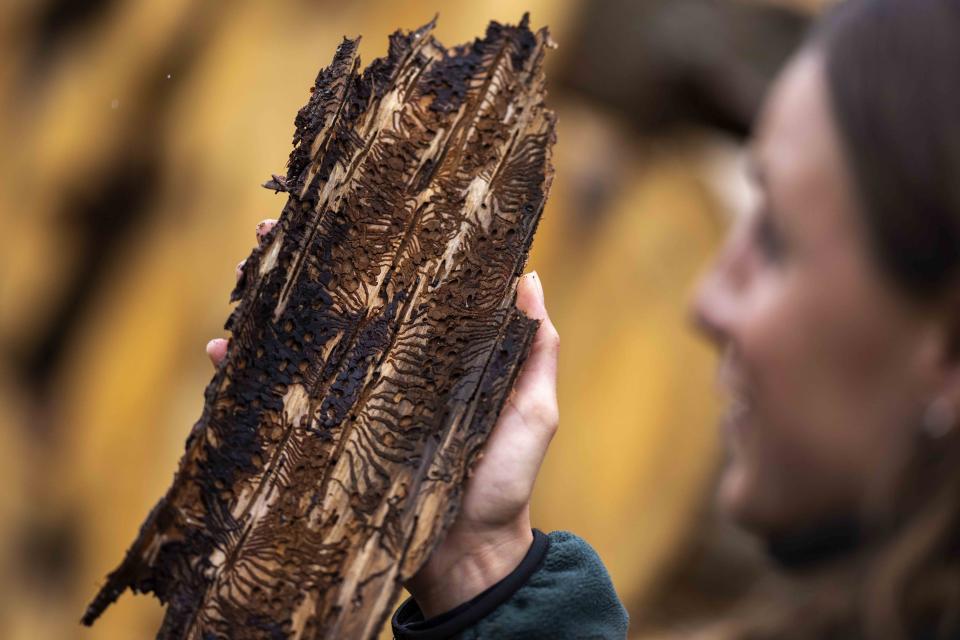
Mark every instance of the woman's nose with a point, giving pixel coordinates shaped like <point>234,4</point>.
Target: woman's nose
<point>701,311</point>
<point>719,295</point>
<point>714,304</point>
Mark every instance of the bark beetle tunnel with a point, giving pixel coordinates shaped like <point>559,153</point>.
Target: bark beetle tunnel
<point>375,341</point>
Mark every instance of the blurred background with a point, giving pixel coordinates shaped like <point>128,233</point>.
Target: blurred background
<point>135,135</point>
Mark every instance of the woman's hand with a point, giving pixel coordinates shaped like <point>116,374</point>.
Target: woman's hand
<point>492,531</point>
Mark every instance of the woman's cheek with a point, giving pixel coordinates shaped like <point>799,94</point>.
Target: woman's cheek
<point>774,444</point>
<point>797,455</point>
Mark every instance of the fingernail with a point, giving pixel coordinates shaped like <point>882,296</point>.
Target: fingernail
<point>210,346</point>
<point>262,229</point>
<point>535,278</point>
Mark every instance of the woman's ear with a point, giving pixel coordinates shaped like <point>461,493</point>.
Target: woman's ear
<point>942,410</point>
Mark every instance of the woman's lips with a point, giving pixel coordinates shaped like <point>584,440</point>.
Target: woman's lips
<point>735,417</point>
<point>731,385</point>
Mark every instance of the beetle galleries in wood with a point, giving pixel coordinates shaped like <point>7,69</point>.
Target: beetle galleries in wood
<point>375,341</point>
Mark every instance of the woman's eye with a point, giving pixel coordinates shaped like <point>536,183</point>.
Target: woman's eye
<point>768,238</point>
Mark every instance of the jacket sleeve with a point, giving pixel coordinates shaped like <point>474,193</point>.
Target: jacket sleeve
<point>560,590</point>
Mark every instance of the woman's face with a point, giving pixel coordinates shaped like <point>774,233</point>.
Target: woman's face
<point>827,368</point>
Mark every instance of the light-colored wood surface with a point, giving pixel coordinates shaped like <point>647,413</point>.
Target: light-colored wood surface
<point>617,251</point>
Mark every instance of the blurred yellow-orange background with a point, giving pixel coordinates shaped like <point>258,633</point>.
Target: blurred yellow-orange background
<point>135,135</point>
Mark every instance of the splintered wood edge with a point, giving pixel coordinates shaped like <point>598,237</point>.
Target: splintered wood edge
<point>414,190</point>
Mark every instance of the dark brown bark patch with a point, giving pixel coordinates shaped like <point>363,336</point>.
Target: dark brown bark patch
<point>375,341</point>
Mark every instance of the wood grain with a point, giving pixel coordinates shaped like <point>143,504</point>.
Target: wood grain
<point>375,340</point>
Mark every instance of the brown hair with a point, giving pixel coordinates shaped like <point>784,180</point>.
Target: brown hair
<point>893,72</point>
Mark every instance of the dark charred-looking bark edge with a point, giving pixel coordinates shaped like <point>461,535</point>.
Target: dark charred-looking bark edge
<point>375,341</point>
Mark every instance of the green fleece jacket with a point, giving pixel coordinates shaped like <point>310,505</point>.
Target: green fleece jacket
<point>560,590</point>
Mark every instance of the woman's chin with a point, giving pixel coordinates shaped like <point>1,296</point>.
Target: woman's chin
<point>737,498</point>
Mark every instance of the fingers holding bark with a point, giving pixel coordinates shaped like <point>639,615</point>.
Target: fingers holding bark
<point>263,228</point>
<point>536,388</point>
<point>217,348</point>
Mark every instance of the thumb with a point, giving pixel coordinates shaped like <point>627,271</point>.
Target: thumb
<point>538,379</point>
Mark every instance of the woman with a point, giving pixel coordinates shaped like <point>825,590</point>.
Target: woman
<point>836,309</point>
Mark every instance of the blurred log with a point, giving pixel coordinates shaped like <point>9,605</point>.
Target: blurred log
<point>375,342</point>
<point>664,65</point>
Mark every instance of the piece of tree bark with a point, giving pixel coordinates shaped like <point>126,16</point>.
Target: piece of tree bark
<point>375,342</point>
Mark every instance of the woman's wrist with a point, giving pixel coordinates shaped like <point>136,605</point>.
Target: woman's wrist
<point>467,564</point>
